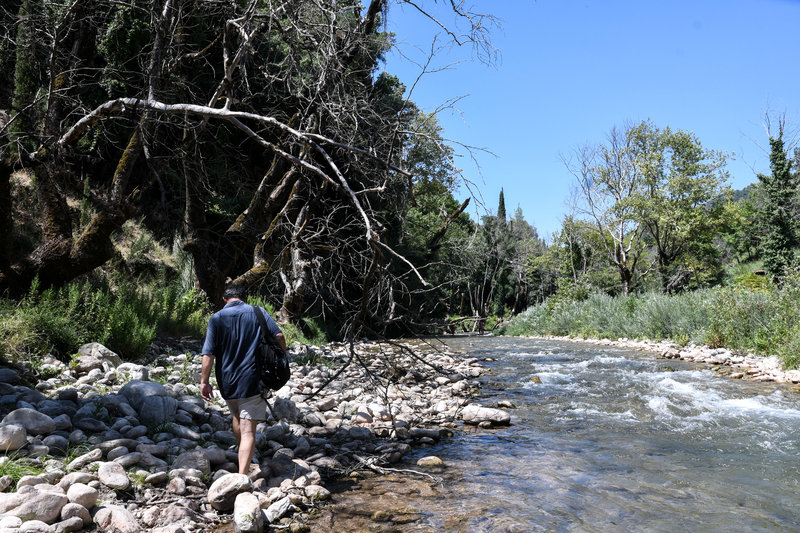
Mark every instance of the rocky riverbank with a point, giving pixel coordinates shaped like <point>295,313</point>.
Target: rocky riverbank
<point>738,366</point>
<point>120,447</point>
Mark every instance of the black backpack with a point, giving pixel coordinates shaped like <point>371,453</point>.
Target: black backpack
<point>272,364</point>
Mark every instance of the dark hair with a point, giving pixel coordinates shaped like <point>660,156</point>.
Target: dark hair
<point>234,291</point>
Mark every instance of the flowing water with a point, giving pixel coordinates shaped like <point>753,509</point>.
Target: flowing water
<point>609,440</point>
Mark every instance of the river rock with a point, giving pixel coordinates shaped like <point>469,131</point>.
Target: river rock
<point>12,437</point>
<point>196,459</point>
<point>112,475</point>
<point>476,414</point>
<point>316,493</point>
<point>117,519</point>
<point>278,509</point>
<point>83,495</point>
<point>34,422</point>
<point>158,410</point>
<point>215,456</point>
<point>133,371</point>
<point>85,459</point>
<point>34,503</point>
<point>430,460</point>
<point>247,516</point>
<point>25,481</point>
<point>136,391</point>
<point>57,444</point>
<point>98,351</point>
<point>34,526</point>
<point>9,375</point>
<point>285,409</point>
<point>222,493</point>
<point>183,432</point>
<point>72,510</point>
<point>68,525</point>
<point>10,522</point>
<point>76,477</point>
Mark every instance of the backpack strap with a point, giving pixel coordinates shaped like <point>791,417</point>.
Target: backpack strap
<point>261,321</point>
<point>266,334</point>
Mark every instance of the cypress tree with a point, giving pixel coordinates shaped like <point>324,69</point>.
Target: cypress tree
<point>780,188</point>
<point>501,207</point>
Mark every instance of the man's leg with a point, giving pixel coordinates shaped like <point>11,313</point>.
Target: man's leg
<point>236,431</point>
<point>246,437</point>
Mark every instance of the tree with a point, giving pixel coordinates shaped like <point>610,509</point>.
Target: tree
<point>776,216</point>
<point>501,207</point>
<point>681,203</point>
<point>609,178</point>
<point>657,198</point>
<point>262,133</point>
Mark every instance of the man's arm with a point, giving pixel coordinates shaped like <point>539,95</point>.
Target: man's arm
<point>206,391</point>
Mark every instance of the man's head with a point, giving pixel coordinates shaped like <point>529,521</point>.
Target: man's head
<point>234,291</point>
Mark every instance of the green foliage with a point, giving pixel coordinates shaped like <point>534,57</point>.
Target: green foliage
<point>17,467</point>
<point>776,216</point>
<point>125,319</point>
<point>764,319</point>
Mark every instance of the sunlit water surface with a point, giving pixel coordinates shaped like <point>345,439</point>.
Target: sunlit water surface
<point>615,440</point>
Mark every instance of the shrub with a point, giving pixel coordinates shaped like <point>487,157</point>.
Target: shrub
<point>765,319</point>
<point>125,319</point>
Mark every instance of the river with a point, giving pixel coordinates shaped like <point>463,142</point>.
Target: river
<point>603,439</point>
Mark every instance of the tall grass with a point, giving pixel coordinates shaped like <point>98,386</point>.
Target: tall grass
<point>761,318</point>
<point>125,318</point>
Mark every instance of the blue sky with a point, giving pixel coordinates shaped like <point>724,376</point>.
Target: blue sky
<point>569,71</point>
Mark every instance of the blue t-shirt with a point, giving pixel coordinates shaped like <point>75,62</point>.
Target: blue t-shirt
<point>232,338</point>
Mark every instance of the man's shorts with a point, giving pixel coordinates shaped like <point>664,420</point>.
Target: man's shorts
<point>252,408</point>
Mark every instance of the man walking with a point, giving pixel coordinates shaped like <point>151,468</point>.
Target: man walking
<point>230,346</point>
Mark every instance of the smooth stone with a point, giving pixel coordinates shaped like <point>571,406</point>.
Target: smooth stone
<point>83,495</point>
<point>247,516</point>
<point>476,414</point>
<point>116,518</point>
<point>34,422</point>
<point>277,510</point>
<point>223,492</point>
<point>72,510</point>
<point>12,437</point>
<point>113,475</point>
<point>85,459</point>
<point>430,460</point>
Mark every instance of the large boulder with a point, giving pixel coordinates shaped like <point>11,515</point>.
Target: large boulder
<point>151,400</point>
<point>42,502</point>
<point>34,422</point>
<point>136,391</point>
<point>222,493</point>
